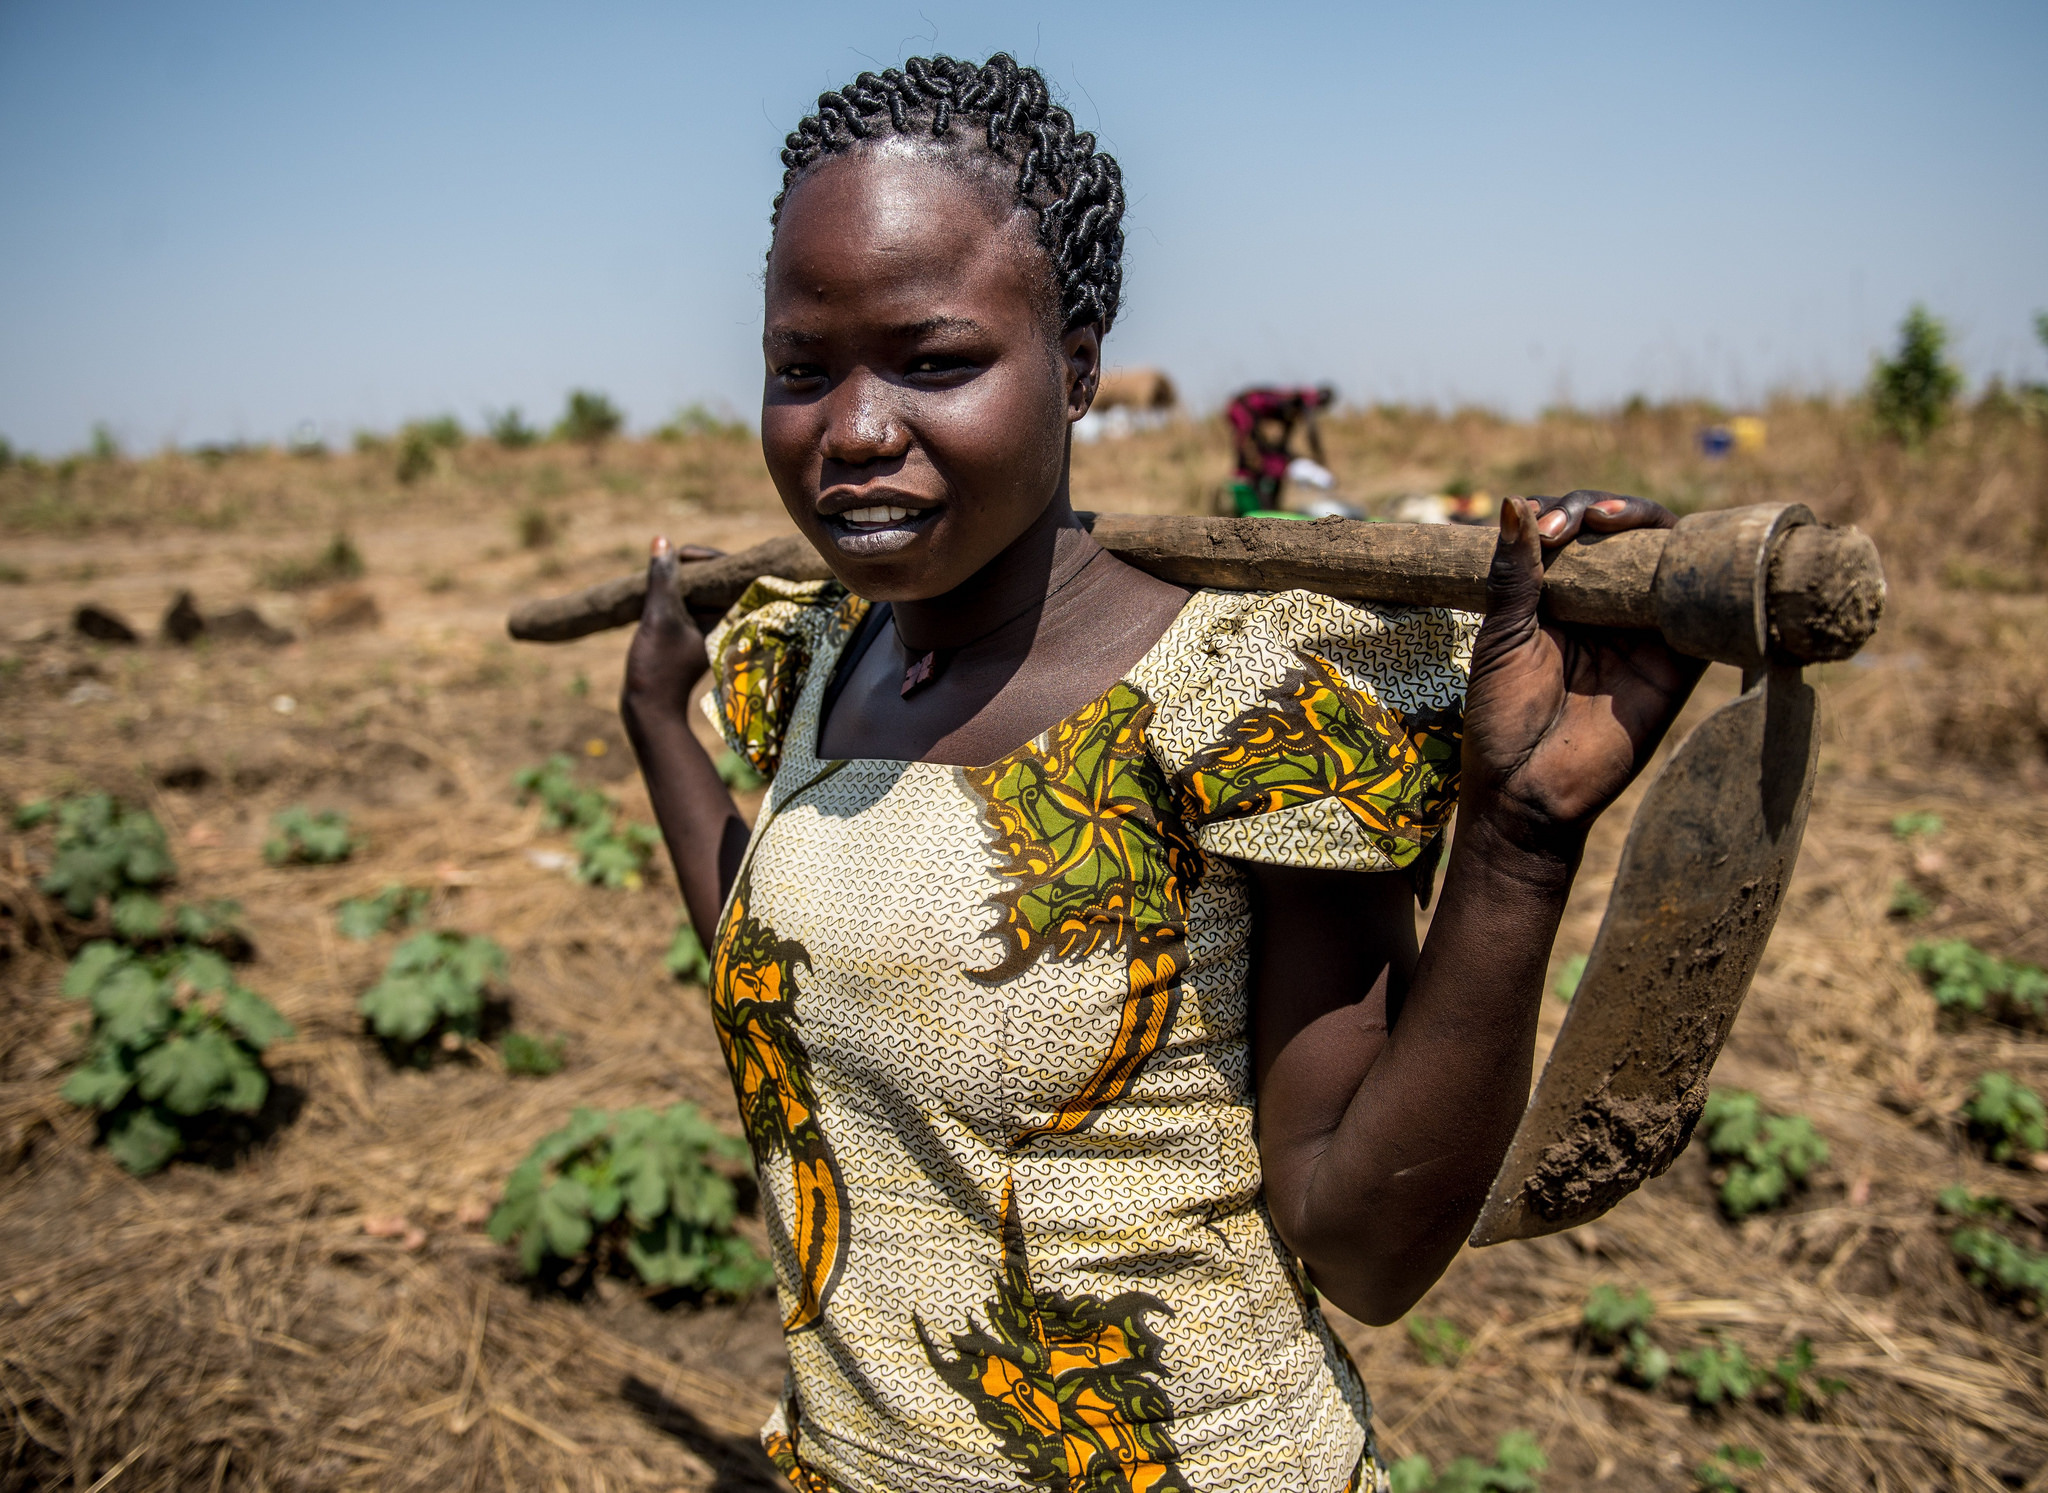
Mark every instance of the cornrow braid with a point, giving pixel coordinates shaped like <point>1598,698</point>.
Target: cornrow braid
<point>1077,190</point>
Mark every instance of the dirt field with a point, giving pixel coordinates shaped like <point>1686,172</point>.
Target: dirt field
<point>229,1324</point>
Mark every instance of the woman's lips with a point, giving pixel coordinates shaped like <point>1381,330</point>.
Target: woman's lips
<point>877,529</point>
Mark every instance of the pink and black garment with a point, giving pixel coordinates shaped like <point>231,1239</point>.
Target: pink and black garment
<point>1262,422</point>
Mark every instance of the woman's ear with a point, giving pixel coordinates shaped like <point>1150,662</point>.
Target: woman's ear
<point>1081,354</point>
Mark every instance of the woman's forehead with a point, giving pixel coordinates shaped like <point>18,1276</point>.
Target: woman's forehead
<point>900,226</point>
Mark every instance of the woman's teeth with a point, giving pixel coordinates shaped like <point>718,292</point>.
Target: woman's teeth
<point>887,513</point>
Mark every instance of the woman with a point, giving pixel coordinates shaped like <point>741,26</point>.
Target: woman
<point>1067,877</point>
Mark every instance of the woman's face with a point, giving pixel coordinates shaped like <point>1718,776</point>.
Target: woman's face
<point>918,393</point>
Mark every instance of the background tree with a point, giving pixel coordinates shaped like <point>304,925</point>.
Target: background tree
<point>1910,394</point>
<point>589,420</point>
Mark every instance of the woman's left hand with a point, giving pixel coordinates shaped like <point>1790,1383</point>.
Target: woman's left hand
<point>1559,719</point>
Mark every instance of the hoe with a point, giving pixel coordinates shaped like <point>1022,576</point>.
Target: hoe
<point>1708,858</point>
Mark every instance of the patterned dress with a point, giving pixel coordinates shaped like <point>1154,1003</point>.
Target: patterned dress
<point>987,1029</point>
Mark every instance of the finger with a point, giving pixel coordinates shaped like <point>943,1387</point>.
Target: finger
<point>662,607</point>
<point>686,552</point>
<point>1611,513</point>
<point>1514,581</point>
<point>1560,518</point>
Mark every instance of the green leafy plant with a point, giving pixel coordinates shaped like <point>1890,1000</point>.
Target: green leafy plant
<point>433,985</point>
<point>651,1187</point>
<point>1796,1381</point>
<point>1960,1202</point>
<point>737,773</point>
<point>339,561</point>
<point>2005,1269</point>
<point>1719,1371</point>
<point>1437,1339</point>
<point>510,430</point>
<point>394,907</point>
<point>609,851</point>
<point>139,919</point>
<point>534,1057</point>
<point>175,1039</point>
<point>589,420</point>
<point>1620,1324</point>
<point>1566,985</point>
<point>2007,1116</point>
<point>1910,393</point>
<point>1725,1470</point>
<point>1965,978</point>
<point>302,837</point>
<point>1908,902</point>
<point>1516,1461</point>
<point>1917,826</point>
<point>686,958</point>
<point>104,850</point>
<point>1764,1157</point>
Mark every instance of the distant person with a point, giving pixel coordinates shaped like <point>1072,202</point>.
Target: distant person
<point>1262,425</point>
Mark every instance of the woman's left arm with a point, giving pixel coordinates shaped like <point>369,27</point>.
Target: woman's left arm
<point>1390,1079</point>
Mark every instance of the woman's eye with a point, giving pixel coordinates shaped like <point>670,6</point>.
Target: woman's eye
<point>799,373</point>
<point>937,363</point>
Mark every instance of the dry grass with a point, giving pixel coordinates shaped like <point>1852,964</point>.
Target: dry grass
<point>233,1326</point>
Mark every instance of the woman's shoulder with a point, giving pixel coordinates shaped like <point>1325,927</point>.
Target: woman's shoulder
<point>762,652</point>
<point>1307,730</point>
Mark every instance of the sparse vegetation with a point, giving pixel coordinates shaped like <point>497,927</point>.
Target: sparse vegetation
<point>610,851</point>
<point>649,1188</point>
<point>105,852</point>
<point>1916,826</point>
<point>1620,1324</point>
<point>510,430</point>
<point>339,561</point>
<point>536,528</point>
<point>1965,978</point>
<point>2007,1117</point>
<point>1726,1470</point>
<point>1566,985</point>
<point>301,837</point>
<point>176,1040</point>
<point>1517,1459</point>
<point>396,906</point>
<point>737,773</point>
<point>531,1056</point>
<point>686,958</point>
<point>1763,1158</point>
<point>433,988</point>
<point>2005,1269</point>
<point>1437,1339</point>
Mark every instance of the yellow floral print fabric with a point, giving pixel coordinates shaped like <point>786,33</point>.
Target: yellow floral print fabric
<point>986,1028</point>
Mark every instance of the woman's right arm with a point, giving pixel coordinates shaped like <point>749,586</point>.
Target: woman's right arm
<point>700,823</point>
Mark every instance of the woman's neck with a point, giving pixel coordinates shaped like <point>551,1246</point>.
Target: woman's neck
<point>1034,565</point>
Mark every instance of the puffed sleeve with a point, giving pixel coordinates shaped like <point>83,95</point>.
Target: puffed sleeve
<point>1304,731</point>
<point>761,653</point>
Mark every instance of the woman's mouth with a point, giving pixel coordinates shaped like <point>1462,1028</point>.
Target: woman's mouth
<point>878,528</point>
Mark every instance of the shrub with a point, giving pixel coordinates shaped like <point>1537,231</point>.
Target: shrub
<point>532,1056</point>
<point>1910,393</point>
<point>608,851</point>
<point>339,561</point>
<point>2007,1270</point>
<point>1437,1339</point>
<point>510,430</point>
<point>536,528</point>
<point>1516,1461</point>
<point>637,1183</point>
<point>311,839</point>
<point>694,421</point>
<point>394,907</point>
<point>2008,1117</point>
<point>1620,1324</point>
<point>433,986</point>
<point>1965,978</point>
<point>589,420</point>
<point>686,958</point>
<point>1767,1157</point>
<point>104,850</point>
<point>175,1039</point>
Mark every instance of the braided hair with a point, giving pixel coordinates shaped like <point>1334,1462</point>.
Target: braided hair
<point>1077,190</point>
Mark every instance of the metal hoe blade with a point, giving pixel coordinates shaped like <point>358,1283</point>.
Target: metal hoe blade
<point>1701,880</point>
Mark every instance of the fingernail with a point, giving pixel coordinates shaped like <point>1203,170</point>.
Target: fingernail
<point>1611,505</point>
<point>1511,519</point>
<point>661,548</point>
<point>1550,525</point>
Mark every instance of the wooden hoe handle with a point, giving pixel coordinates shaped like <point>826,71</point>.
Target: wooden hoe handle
<point>1737,585</point>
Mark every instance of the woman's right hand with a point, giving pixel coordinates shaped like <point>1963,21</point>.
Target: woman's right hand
<point>667,656</point>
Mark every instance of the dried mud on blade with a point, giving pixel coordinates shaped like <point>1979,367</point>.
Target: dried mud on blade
<point>1701,880</point>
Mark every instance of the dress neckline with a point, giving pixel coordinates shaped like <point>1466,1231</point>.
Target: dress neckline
<point>809,725</point>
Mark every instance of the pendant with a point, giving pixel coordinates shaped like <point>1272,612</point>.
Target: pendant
<point>922,671</point>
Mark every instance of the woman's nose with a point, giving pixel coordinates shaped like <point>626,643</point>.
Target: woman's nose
<point>863,426</point>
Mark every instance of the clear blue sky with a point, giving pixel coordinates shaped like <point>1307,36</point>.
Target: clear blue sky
<point>220,220</point>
